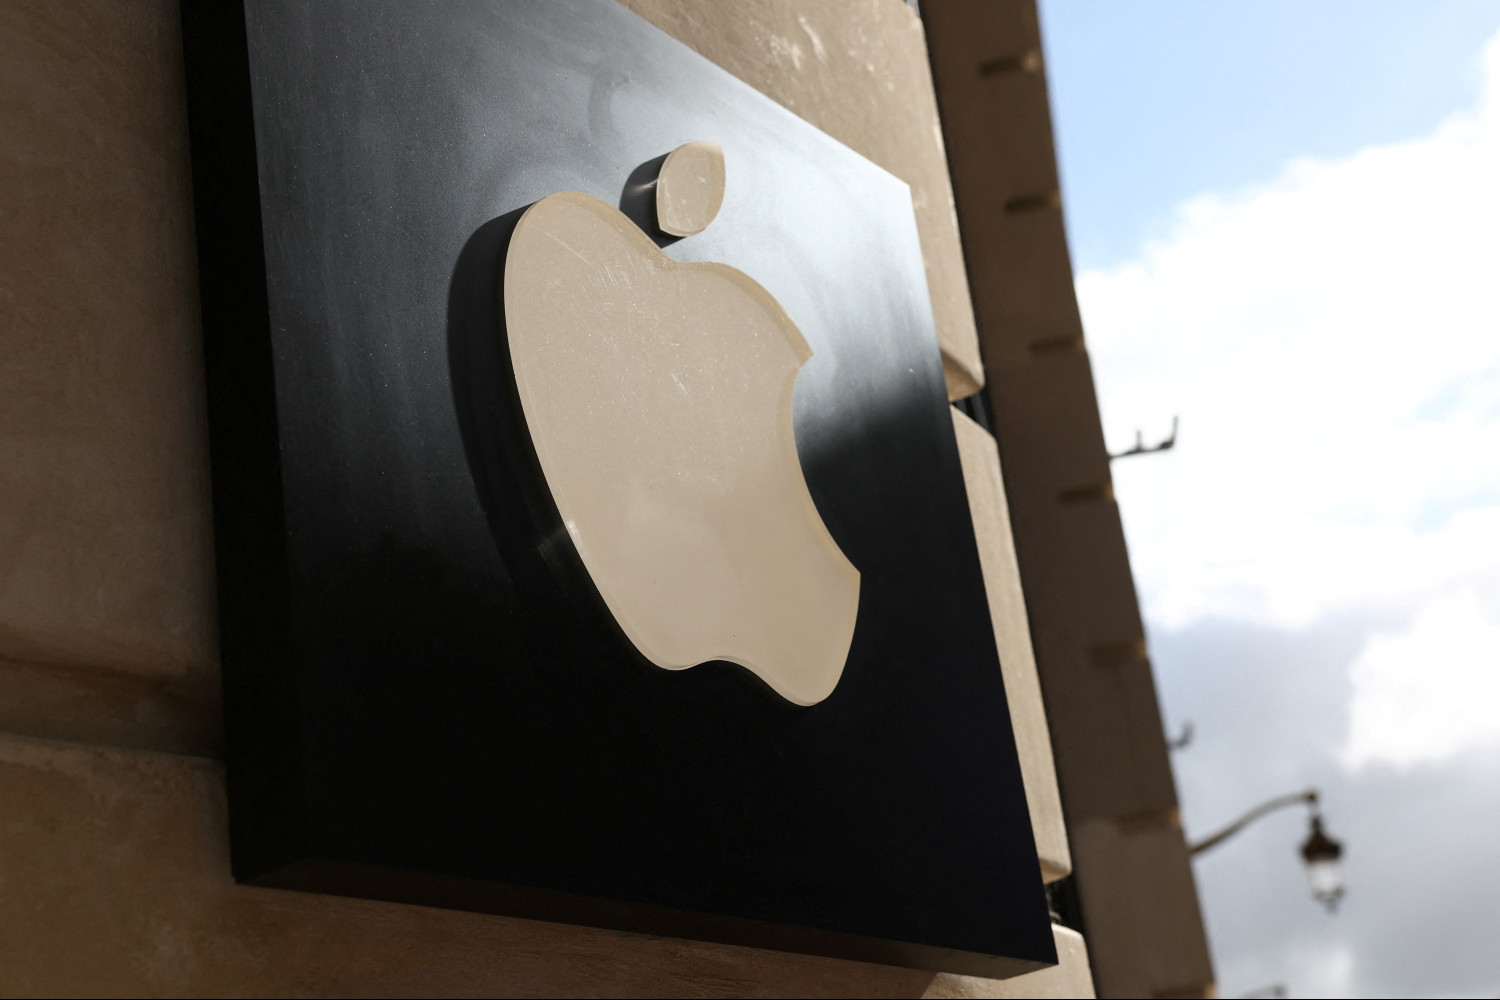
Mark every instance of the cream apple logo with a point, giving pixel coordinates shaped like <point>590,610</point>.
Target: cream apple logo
<point>658,396</point>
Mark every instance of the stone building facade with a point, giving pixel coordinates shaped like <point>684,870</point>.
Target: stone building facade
<point>114,872</point>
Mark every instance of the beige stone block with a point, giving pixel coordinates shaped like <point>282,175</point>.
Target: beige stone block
<point>975,32</point>
<point>1102,708</point>
<point>1046,416</point>
<point>1089,644</point>
<point>111,707</point>
<point>1001,152</point>
<point>987,65</point>
<point>1111,755</point>
<point>1023,288</point>
<point>992,93</point>
<point>1076,571</point>
<point>1146,936</point>
<point>1071,977</point>
<point>105,543</point>
<point>858,70</point>
<point>116,873</point>
<point>1002,584</point>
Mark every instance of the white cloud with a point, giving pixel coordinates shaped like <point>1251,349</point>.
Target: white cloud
<point>1429,692</point>
<point>1311,968</point>
<point>1332,343</point>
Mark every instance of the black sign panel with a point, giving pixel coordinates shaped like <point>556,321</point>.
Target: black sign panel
<point>426,699</point>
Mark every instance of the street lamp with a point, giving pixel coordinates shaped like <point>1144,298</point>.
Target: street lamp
<point>1322,854</point>
<point>1325,870</point>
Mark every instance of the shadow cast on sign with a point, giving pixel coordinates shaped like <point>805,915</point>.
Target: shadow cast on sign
<point>538,554</point>
<point>534,546</point>
<point>638,200</point>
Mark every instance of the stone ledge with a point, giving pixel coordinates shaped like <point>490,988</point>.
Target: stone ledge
<point>1002,581</point>
<point>1070,978</point>
<point>99,705</point>
<point>116,873</point>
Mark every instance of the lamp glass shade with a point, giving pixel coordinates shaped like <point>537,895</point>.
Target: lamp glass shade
<point>1327,881</point>
<point>1325,867</point>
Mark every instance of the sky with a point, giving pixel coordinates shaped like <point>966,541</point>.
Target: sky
<point>1285,226</point>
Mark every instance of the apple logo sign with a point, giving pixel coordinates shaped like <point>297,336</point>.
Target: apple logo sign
<point>658,397</point>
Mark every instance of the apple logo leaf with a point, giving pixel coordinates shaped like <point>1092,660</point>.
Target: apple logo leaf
<point>690,188</point>
<point>658,396</point>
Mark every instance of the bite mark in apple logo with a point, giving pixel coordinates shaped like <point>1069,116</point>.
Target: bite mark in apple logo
<point>658,396</point>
